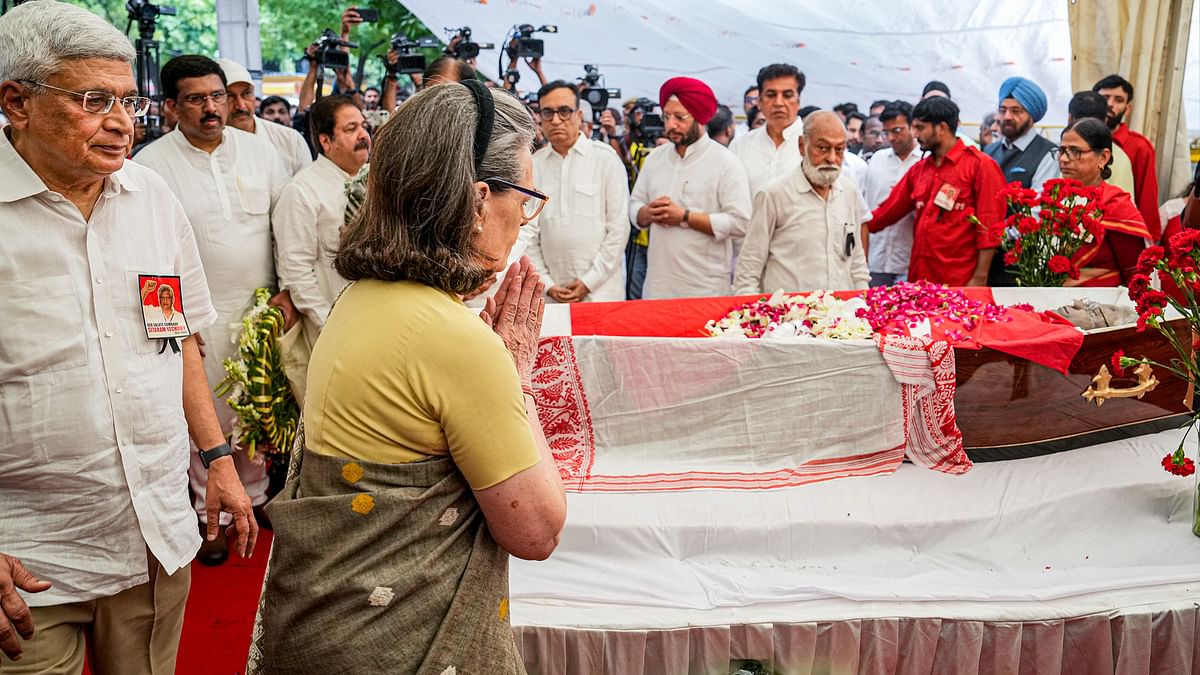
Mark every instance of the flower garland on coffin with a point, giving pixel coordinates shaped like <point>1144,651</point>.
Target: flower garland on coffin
<point>820,315</point>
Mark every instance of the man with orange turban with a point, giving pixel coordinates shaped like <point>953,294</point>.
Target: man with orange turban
<point>695,194</point>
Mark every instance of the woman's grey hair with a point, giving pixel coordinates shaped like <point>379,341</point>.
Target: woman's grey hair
<point>422,205</point>
<point>40,36</point>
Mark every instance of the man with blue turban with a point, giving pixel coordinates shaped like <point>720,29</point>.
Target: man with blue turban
<point>1023,154</point>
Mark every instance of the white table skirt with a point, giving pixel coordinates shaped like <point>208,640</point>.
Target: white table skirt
<point>1095,533</point>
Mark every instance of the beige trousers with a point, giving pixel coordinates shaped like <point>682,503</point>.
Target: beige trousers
<point>135,632</point>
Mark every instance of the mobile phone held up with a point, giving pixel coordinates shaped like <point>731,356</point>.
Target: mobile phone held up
<point>367,14</point>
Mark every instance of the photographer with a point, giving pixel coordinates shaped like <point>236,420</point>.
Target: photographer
<point>343,80</point>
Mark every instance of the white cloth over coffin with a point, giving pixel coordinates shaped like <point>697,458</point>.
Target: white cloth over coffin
<point>734,406</point>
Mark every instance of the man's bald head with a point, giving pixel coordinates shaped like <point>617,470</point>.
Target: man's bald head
<point>823,146</point>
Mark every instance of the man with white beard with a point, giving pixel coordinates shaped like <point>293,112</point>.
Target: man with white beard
<point>805,232</point>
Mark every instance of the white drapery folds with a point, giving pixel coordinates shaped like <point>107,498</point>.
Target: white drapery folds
<point>1145,41</point>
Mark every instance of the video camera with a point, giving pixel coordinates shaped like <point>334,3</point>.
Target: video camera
<point>329,50</point>
<point>146,14</point>
<point>524,45</point>
<point>409,60</point>
<point>465,49</point>
<point>143,10</point>
<point>595,93</point>
<point>647,127</point>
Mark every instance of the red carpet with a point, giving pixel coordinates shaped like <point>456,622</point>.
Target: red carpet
<point>220,614</point>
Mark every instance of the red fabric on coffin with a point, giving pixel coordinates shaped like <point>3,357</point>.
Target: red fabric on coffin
<point>1042,338</point>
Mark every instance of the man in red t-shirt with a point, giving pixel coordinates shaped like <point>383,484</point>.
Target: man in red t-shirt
<point>1119,94</point>
<point>949,183</point>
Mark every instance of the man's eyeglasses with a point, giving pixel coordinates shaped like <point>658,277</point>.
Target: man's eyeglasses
<point>1069,152</point>
<point>532,206</point>
<point>564,113</point>
<point>683,117</point>
<point>100,102</point>
<point>197,100</point>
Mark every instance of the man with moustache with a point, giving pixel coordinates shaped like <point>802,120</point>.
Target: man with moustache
<point>1119,94</point>
<point>694,194</point>
<point>310,213</point>
<point>578,241</point>
<point>888,256</point>
<point>227,181</point>
<point>96,532</point>
<point>239,91</point>
<point>771,150</point>
<point>947,247</point>
<point>804,234</point>
<point>1024,155</point>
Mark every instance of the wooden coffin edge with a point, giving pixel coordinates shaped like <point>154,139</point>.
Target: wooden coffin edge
<point>1049,446</point>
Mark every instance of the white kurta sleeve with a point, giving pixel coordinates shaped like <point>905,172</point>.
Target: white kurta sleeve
<point>611,255</point>
<point>197,303</point>
<point>753,258</point>
<point>297,252</point>
<point>734,202</point>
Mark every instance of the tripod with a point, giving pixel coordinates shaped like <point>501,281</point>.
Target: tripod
<point>146,46</point>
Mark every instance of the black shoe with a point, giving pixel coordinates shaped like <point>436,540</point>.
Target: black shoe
<point>212,553</point>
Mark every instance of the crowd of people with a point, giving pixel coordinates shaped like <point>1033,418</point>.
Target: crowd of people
<point>111,232</point>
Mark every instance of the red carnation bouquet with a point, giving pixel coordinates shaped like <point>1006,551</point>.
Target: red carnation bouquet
<point>1045,232</point>
<point>1179,261</point>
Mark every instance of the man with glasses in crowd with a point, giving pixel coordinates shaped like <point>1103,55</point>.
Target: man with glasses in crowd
<point>97,529</point>
<point>578,242</point>
<point>890,248</point>
<point>874,139</point>
<point>239,91</point>
<point>227,181</point>
<point>695,194</point>
<point>749,101</point>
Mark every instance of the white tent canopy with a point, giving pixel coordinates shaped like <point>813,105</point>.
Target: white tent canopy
<point>853,50</point>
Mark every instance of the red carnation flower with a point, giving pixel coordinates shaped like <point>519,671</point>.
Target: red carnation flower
<point>1010,258</point>
<point>1118,369</point>
<point>1059,264</point>
<point>1138,285</point>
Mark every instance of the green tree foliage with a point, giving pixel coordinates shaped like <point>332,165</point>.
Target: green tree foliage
<point>192,31</point>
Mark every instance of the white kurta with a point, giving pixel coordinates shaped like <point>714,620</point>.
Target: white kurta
<point>308,220</point>
<point>797,240</point>
<point>227,196</point>
<point>682,262</point>
<point>582,231</point>
<point>891,246</point>
<point>93,440</point>
<point>293,150</point>
<point>764,161</point>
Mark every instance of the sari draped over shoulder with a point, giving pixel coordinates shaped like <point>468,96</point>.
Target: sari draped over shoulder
<point>1107,260</point>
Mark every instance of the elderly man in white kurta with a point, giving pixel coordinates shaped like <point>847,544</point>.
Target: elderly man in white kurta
<point>239,88</point>
<point>96,532</point>
<point>227,181</point>
<point>693,195</point>
<point>805,232</point>
<point>578,241</point>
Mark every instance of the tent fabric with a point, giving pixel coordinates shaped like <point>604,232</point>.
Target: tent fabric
<point>855,50</point>
<point>1147,42</point>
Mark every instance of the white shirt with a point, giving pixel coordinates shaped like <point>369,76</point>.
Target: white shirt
<point>855,168</point>
<point>288,142</point>
<point>682,262</point>
<point>308,220</point>
<point>764,161</point>
<point>797,239</point>
<point>582,231</point>
<point>890,247</point>
<point>1047,168</point>
<point>227,196</point>
<point>93,441</point>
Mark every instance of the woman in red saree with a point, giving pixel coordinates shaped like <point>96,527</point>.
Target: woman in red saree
<point>1085,155</point>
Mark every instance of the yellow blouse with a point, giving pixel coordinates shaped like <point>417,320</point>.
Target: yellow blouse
<point>403,372</point>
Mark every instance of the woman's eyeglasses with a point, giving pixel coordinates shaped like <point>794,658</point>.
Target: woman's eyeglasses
<point>532,206</point>
<point>1069,152</point>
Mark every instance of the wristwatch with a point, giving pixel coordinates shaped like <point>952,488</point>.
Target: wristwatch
<point>684,221</point>
<point>209,456</point>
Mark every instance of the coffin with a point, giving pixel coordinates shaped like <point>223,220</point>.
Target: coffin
<point>1009,408</point>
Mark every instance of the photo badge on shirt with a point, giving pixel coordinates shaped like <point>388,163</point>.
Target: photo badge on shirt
<point>946,196</point>
<point>162,306</point>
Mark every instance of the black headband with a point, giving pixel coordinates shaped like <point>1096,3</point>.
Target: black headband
<point>487,117</point>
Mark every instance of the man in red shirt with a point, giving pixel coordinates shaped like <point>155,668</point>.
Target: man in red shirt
<point>944,188</point>
<point>1119,94</point>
